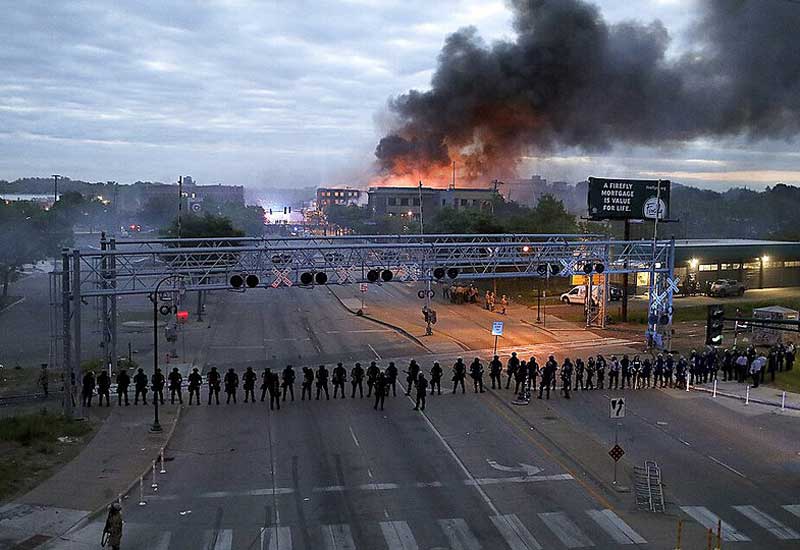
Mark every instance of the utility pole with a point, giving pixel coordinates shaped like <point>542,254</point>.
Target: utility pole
<point>180,203</point>
<point>429,326</point>
<point>56,177</point>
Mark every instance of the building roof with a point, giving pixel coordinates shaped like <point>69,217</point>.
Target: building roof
<point>707,251</point>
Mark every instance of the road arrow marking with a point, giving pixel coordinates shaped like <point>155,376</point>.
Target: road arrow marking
<point>524,469</point>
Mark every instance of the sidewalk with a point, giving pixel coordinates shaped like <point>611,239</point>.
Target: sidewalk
<point>762,395</point>
<point>122,450</point>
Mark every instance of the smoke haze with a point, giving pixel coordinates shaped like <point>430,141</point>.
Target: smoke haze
<point>570,79</point>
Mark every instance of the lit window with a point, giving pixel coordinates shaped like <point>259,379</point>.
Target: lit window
<point>708,267</point>
<point>793,263</point>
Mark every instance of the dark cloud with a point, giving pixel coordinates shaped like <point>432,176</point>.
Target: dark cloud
<point>571,79</point>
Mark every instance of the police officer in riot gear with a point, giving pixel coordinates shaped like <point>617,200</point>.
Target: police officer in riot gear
<point>308,380</point>
<point>274,387</point>
<point>322,381</point>
<point>339,378</point>
<point>287,381</point>
<point>195,381</point>
<point>459,373</point>
<point>175,381</point>
<point>511,368</point>
<point>411,376</point>
<point>87,392</point>
<point>372,377</point>
<point>391,377</point>
<point>496,371</point>
<point>548,374</point>
<point>123,381</point>
<point>566,377</point>
<point>249,384</point>
<point>436,378</point>
<point>601,372</point>
<point>476,373</point>
<point>157,381</point>
<point>103,387</point>
<point>422,390</point>
<point>231,383</point>
<point>214,381</point>
<point>357,380</point>
<point>381,388</point>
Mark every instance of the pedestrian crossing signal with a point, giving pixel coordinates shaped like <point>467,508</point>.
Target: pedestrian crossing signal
<point>715,323</point>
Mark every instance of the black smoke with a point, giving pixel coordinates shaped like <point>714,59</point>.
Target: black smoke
<point>570,79</point>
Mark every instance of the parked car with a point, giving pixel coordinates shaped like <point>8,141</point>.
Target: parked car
<point>726,287</point>
<point>577,295</point>
<point>614,293</point>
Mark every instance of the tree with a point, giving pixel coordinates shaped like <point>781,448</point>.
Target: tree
<point>158,212</point>
<point>249,219</point>
<point>207,225</point>
<point>28,234</point>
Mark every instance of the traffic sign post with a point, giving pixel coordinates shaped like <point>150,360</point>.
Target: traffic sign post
<point>616,411</point>
<point>497,331</point>
<point>363,287</point>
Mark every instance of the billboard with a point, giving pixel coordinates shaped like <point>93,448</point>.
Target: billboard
<point>623,199</point>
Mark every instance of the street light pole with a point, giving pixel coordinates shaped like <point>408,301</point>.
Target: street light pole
<point>56,177</point>
<point>429,326</point>
<point>156,427</point>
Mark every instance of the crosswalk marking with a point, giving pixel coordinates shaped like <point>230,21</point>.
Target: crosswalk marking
<point>459,534</point>
<point>708,519</point>
<point>218,540</point>
<point>338,537</point>
<point>515,533</point>
<point>792,509</point>
<point>616,528</point>
<point>768,522</point>
<point>276,538</point>
<point>398,535</point>
<point>566,531</point>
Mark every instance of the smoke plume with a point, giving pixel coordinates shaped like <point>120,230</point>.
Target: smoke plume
<point>570,79</point>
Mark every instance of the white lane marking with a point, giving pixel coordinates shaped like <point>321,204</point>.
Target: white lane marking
<point>732,469</point>
<point>276,538</point>
<point>329,489</point>
<point>224,539</point>
<point>708,519</point>
<point>428,484</point>
<point>566,531</point>
<point>355,439</point>
<point>792,509</point>
<point>684,442</point>
<point>458,533</point>
<point>769,523</point>
<point>375,352</point>
<point>251,493</point>
<point>515,533</point>
<point>338,537</point>
<point>616,528</point>
<point>162,542</point>
<point>398,536</point>
<point>377,486</point>
<point>456,459</point>
<point>516,479</point>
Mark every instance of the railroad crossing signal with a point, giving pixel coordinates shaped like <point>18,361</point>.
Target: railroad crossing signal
<point>617,407</point>
<point>616,453</point>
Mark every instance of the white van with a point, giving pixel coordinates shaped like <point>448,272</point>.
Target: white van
<point>577,295</point>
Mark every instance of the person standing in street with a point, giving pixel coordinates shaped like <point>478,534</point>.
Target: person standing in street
<point>249,384</point>
<point>411,376</point>
<point>511,368</point>
<point>601,372</point>
<point>308,381</point>
<point>214,382</point>
<point>87,391</point>
<point>157,381</point>
<point>459,373</point>
<point>140,387</point>
<point>422,390</point>
<point>391,377</point>
<point>372,377</point>
<point>339,378</point>
<point>357,381</point>
<point>175,381</point>
<point>495,372</point>
<point>566,377</point>
<point>274,387</point>
<point>231,384</point>
<point>44,380</point>
<point>436,378</point>
<point>123,381</point>
<point>322,382</point>
<point>503,304</point>
<point>287,381</point>
<point>195,381</point>
<point>533,373</point>
<point>380,390</point>
<point>613,374</point>
<point>103,387</point>
<point>579,370</point>
<point>521,378</point>
<point>476,373</point>
<point>112,531</point>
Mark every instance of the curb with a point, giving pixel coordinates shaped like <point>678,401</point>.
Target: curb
<point>384,323</point>
<point>81,523</point>
<point>740,398</point>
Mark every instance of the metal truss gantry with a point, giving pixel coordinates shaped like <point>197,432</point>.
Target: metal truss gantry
<point>134,267</point>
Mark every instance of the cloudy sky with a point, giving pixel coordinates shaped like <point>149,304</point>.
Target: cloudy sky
<point>278,93</point>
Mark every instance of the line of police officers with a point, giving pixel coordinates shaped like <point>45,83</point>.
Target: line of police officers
<point>597,372</point>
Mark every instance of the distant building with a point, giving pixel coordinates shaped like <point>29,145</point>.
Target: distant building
<point>405,201</point>
<point>133,198</point>
<point>525,192</point>
<point>329,196</point>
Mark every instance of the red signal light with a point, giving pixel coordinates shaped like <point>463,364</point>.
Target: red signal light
<point>182,316</point>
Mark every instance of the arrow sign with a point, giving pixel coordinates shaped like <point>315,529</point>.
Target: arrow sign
<point>524,469</point>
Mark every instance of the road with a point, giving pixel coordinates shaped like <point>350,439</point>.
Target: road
<point>470,472</point>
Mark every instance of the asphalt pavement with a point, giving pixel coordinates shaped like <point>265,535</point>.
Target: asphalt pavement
<point>471,472</point>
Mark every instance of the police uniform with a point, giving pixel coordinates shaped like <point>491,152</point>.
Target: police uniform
<point>249,384</point>
<point>411,375</point>
<point>213,378</point>
<point>391,378</point>
<point>274,387</point>
<point>590,372</point>
<point>195,381</point>
<point>566,377</point>
<point>511,368</point>
<point>496,371</point>
<point>459,372</point>
<point>372,377</point>
<point>380,390</point>
<point>287,381</point>
<point>436,378</point>
<point>356,380</point>
<point>103,387</point>
<point>308,381</point>
<point>579,370</point>
<point>231,383</point>
<point>422,390</point>
<point>548,373</point>
<point>123,381</point>
<point>322,381</point>
<point>158,381</point>
<point>339,378</point>
<point>476,373</point>
<point>87,392</point>
<point>140,387</point>
<point>175,381</point>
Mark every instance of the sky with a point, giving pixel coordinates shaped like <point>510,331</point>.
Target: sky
<point>283,93</point>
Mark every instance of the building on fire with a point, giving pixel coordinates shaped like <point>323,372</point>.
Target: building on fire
<point>406,201</point>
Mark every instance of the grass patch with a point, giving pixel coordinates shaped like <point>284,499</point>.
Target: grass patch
<point>789,381</point>
<point>31,450</point>
<point>42,427</point>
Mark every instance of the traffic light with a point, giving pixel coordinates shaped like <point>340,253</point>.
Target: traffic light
<point>306,278</point>
<point>452,272</point>
<point>237,281</point>
<point>387,275</point>
<point>251,281</point>
<point>372,275</point>
<point>320,277</point>
<point>439,272</point>
<point>715,322</point>
<point>182,316</point>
